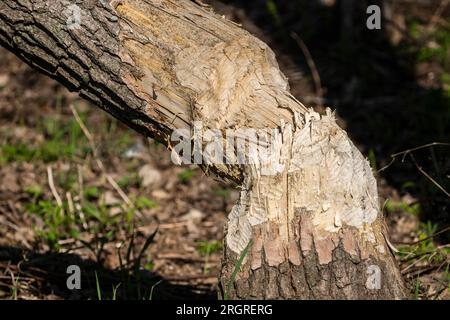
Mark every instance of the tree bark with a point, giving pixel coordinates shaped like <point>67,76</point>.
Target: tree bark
<point>311,228</point>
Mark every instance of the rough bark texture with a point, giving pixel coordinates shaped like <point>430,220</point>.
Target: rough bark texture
<point>314,221</point>
<point>315,226</point>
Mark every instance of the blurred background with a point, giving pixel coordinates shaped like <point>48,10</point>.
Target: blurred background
<point>77,187</point>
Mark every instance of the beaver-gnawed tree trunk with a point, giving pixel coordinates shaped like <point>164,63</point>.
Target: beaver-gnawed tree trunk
<point>312,228</point>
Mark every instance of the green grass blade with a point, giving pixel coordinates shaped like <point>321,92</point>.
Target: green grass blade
<point>114,296</point>
<point>130,247</point>
<point>145,247</point>
<point>237,267</point>
<point>97,283</point>
<point>151,290</point>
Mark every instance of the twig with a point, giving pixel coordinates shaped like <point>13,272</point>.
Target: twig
<point>80,183</point>
<point>390,245</point>
<point>409,152</point>
<point>413,264</point>
<point>80,196</point>
<point>405,152</point>
<point>429,237</point>
<point>109,178</point>
<point>89,137</point>
<point>311,64</point>
<point>70,203</point>
<point>441,293</point>
<point>67,241</point>
<point>9,224</point>
<point>15,214</point>
<point>420,271</point>
<point>437,14</point>
<point>52,187</point>
<point>122,194</point>
<point>429,177</point>
<point>172,225</point>
<point>181,257</point>
<point>409,257</point>
<point>187,278</point>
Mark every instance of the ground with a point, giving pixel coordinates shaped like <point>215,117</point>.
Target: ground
<point>77,187</point>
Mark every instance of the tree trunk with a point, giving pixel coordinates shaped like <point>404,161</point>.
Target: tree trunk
<point>309,217</point>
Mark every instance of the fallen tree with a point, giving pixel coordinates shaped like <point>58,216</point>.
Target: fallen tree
<point>308,223</point>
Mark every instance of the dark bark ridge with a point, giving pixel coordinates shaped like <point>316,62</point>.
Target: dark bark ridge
<point>86,61</point>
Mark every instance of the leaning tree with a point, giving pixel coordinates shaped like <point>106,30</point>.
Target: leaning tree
<point>312,228</point>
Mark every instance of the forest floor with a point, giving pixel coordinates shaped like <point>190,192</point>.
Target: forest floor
<point>79,188</point>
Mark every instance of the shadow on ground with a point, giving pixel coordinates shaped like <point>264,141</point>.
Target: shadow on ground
<point>45,274</point>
